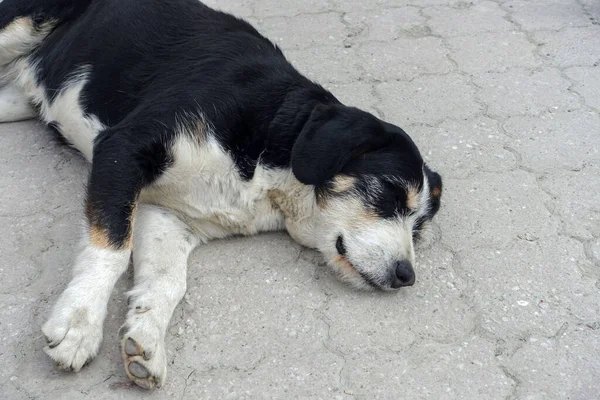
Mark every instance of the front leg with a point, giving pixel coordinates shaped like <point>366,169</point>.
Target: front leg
<point>74,329</point>
<point>162,244</point>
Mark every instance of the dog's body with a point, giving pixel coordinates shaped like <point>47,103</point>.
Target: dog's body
<point>198,128</point>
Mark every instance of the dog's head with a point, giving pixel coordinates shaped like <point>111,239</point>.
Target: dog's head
<point>375,195</point>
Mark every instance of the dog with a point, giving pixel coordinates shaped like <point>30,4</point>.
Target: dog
<point>198,128</point>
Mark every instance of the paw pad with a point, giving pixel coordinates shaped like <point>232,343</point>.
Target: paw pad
<point>138,365</point>
<point>138,370</point>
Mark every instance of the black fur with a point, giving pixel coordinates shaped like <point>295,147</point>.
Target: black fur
<point>151,62</point>
<point>41,11</point>
<point>435,190</point>
<point>336,134</point>
<point>124,162</point>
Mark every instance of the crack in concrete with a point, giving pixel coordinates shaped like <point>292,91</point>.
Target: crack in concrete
<point>186,384</point>
<point>318,314</point>
<point>517,382</point>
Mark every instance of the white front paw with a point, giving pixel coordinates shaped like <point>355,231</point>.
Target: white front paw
<point>74,335</point>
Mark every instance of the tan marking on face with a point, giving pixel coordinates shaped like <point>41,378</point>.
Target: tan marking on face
<point>436,192</point>
<point>367,216</point>
<point>346,269</point>
<point>343,183</point>
<point>321,199</point>
<point>99,237</point>
<point>412,198</point>
<point>350,211</point>
<point>340,259</point>
<point>357,213</point>
<point>343,262</point>
<point>18,38</point>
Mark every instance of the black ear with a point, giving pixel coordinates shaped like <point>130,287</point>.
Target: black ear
<point>332,136</point>
<point>435,189</point>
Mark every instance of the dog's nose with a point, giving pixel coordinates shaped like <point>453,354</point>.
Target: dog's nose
<point>404,276</point>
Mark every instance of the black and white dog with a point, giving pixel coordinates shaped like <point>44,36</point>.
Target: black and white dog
<point>198,128</point>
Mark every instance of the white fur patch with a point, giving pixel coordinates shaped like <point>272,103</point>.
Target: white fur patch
<point>20,37</point>
<point>65,109</point>
<point>204,188</point>
<point>74,328</point>
<point>298,204</point>
<point>162,244</point>
<point>14,105</point>
<point>80,130</point>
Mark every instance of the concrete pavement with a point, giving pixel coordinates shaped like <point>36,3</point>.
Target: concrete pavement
<point>503,98</point>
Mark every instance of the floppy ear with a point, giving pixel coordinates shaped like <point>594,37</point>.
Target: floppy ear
<point>435,189</point>
<point>332,136</point>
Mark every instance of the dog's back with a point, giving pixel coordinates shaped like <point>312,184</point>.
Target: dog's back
<point>132,50</point>
<point>97,65</point>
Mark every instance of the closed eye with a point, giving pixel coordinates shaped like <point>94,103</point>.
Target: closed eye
<point>340,247</point>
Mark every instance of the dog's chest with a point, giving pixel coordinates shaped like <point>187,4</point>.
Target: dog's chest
<point>203,187</point>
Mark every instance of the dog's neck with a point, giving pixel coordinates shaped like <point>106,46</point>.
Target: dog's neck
<point>296,201</point>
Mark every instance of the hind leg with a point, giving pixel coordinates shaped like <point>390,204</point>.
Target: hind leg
<point>20,36</point>
<point>161,246</point>
<point>17,38</point>
<point>14,105</point>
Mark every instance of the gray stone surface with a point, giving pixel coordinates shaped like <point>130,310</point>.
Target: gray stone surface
<point>502,97</point>
<point>493,51</point>
<point>429,99</point>
<point>570,46</point>
<point>404,58</point>
<point>563,139</point>
<point>522,91</point>
<point>550,15</point>
<point>485,16</point>
<point>586,81</point>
